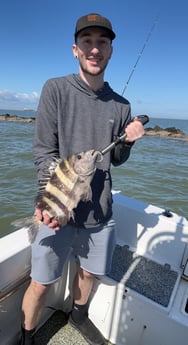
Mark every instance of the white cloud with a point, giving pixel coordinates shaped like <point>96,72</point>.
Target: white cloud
<point>17,100</point>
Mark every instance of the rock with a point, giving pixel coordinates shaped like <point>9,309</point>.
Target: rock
<point>169,132</point>
<point>16,118</point>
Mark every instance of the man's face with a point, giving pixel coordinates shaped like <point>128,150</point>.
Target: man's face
<point>93,50</point>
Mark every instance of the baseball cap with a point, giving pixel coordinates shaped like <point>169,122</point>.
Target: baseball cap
<point>94,19</point>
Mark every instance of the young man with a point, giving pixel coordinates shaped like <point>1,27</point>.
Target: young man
<point>77,113</point>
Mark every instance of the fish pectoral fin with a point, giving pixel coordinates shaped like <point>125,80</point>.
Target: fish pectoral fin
<point>87,196</point>
<point>72,215</point>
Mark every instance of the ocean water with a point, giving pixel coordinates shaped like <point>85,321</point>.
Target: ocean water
<point>156,171</point>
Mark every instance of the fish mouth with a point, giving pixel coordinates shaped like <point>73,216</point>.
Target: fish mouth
<point>97,155</point>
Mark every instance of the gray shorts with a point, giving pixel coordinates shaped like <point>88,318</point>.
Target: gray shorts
<point>91,248</point>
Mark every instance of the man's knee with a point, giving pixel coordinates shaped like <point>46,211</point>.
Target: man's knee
<point>87,274</point>
<point>39,290</point>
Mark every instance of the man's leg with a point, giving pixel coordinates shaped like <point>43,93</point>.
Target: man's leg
<point>83,284</point>
<point>49,253</point>
<point>94,249</point>
<point>32,307</point>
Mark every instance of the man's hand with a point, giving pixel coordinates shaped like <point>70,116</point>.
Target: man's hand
<point>134,130</point>
<point>45,218</point>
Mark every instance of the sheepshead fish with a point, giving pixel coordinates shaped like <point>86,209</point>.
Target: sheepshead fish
<point>64,184</point>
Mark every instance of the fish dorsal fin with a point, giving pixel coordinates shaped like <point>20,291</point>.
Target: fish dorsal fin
<point>48,172</point>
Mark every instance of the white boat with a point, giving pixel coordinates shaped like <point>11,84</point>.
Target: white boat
<point>144,300</point>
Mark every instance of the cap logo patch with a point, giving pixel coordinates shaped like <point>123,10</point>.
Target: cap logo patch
<point>95,18</point>
<point>92,18</point>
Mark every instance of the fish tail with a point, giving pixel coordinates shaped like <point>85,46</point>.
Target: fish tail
<point>30,223</point>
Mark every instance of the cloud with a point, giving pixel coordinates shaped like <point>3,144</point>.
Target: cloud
<point>11,99</point>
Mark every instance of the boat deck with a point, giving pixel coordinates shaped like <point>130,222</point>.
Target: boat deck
<point>148,278</point>
<point>58,332</point>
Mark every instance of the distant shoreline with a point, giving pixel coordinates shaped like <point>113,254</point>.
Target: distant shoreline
<point>170,132</point>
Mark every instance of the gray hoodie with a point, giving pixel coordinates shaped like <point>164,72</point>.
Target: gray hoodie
<point>71,118</point>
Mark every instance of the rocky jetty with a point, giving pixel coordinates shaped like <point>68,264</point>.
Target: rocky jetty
<point>169,132</point>
<point>16,118</point>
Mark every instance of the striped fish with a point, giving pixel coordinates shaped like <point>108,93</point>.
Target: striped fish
<point>64,184</point>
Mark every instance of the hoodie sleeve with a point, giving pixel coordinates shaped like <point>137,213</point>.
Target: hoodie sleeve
<point>45,142</point>
<point>121,153</point>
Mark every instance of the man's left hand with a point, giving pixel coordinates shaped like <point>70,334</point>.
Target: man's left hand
<point>134,130</point>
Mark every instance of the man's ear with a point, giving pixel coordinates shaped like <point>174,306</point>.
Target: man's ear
<point>111,52</point>
<point>75,50</point>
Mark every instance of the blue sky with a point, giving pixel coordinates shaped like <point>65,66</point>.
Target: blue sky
<point>37,36</point>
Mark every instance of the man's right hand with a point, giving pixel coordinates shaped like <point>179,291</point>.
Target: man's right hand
<point>46,219</point>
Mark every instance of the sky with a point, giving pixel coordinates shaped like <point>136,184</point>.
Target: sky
<point>36,44</point>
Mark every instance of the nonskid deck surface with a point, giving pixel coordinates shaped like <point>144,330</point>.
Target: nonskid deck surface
<point>147,277</point>
<point>58,332</point>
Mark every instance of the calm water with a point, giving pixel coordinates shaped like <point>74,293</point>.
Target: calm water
<point>156,171</point>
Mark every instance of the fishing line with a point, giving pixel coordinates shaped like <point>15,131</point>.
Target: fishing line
<point>141,52</point>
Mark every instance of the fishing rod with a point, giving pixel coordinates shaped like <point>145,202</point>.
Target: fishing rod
<point>141,52</point>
